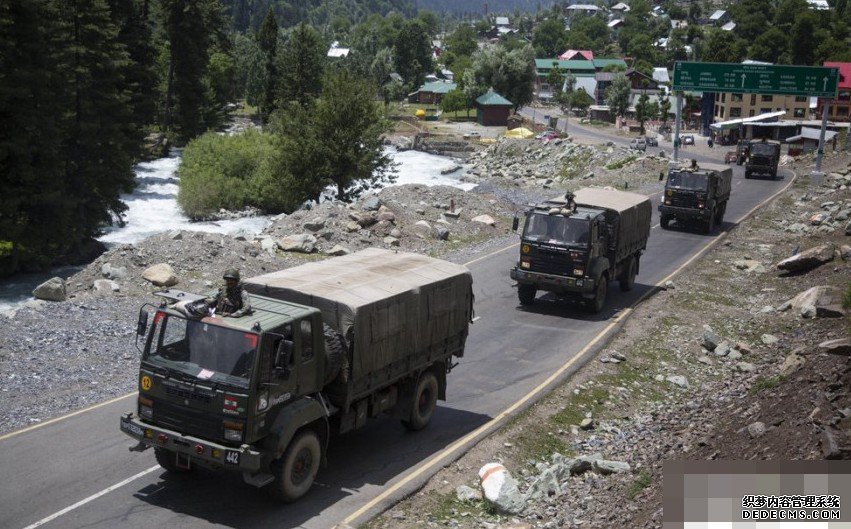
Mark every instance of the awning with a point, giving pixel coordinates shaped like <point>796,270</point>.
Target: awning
<point>811,134</point>
<point>736,123</point>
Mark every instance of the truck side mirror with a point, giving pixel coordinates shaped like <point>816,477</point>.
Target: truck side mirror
<point>283,358</point>
<point>515,223</point>
<point>142,324</point>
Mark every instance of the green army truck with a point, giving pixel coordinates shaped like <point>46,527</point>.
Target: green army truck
<point>763,158</point>
<point>327,346</point>
<point>697,195</point>
<point>576,245</point>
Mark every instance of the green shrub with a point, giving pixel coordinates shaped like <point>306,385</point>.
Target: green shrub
<point>233,172</point>
<point>846,298</point>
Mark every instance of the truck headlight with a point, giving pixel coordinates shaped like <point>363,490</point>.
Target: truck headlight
<point>578,272</point>
<point>233,431</point>
<point>667,201</point>
<point>146,408</point>
<point>700,205</point>
<point>525,262</point>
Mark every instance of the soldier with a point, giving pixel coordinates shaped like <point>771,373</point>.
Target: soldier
<point>232,300</point>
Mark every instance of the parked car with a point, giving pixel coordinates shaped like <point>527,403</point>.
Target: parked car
<point>730,157</point>
<point>638,144</point>
<point>651,141</point>
<point>687,139</point>
<point>547,135</point>
<point>472,135</point>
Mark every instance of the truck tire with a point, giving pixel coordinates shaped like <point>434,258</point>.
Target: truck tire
<point>336,359</point>
<point>526,293</point>
<point>600,295</point>
<point>296,470</point>
<point>167,460</point>
<point>722,209</point>
<point>774,174</point>
<point>710,223</point>
<point>664,220</point>
<point>747,174</point>
<point>425,402</point>
<point>627,279</point>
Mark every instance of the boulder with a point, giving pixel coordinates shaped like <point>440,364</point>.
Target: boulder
<point>605,467</point>
<point>746,264</point>
<point>105,286</point>
<point>161,275</point>
<point>371,204</point>
<point>352,226</point>
<point>745,367</point>
<point>723,349</point>
<point>465,493</point>
<point>792,363</point>
<point>807,302</point>
<point>845,252</point>
<point>51,290</point>
<point>339,250</point>
<point>830,311</point>
<point>391,241</point>
<point>544,486</point>
<point>387,216</point>
<point>808,259</point>
<point>839,346</point>
<point>710,339</point>
<point>583,464</point>
<point>587,424</point>
<point>756,429</point>
<point>678,380</point>
<point>442,233</point>
<point>366,220</point>
<point>500,489</point>
<point>269,245</point>
<point>485,219</point>
<point>396,232</point>
<point>303,243</point>
<point>34,304</point>
<point>769,339</point>
<point>113,272</point>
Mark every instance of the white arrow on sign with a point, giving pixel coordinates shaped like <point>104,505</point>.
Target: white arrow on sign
<point>824,85</point>
<point>743,80</point>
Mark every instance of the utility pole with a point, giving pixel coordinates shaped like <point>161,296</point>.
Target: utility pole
<point>677,116</point>
<point>816,176</point>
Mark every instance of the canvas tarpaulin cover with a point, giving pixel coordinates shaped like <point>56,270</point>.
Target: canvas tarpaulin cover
<point>387,305</point>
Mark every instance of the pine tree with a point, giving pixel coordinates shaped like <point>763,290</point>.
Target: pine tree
<point>33,210</point>
<point>267,38</point>
<point>100,141</point>
<point>301,65</point>
<point>413,53</point>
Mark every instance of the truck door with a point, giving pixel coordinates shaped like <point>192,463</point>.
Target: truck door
<point>277,379</point>
<point>310,379</point>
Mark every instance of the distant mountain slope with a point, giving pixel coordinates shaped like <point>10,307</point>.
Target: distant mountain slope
<point>250,13</point>
<point>477,6</point>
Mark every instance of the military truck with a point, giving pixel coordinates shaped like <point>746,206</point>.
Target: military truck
<point>327,346</point>
<point>576,245</point>
<point>763,158</point>
<point>696,194</point>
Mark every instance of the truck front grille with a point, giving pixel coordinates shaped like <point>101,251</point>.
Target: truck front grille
<point>684,200</point>
<point>551,263</point>
<point>186,394</point>
<point>187,421</point>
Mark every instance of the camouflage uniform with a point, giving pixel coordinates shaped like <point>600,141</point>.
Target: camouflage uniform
<point>232,301</point>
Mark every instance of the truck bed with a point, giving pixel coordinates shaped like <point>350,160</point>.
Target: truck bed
<point>628,214</point>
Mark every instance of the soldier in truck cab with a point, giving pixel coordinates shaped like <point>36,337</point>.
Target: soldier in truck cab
<point>231,300</point>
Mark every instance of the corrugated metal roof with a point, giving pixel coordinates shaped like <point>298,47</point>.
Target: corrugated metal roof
<point>438,87</point>
<point>602,63</point>
<point>811,134</point>
<point>547,64</point>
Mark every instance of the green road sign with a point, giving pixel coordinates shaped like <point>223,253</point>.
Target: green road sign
<point>755,78</point>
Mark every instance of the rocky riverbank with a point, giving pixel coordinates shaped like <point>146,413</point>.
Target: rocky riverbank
<point>745,355</point>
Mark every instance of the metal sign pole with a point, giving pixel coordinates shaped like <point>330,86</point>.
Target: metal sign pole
<point>677,116</point>
<point>816,176</point>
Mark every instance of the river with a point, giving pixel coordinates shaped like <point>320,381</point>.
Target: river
<point>152,208</point>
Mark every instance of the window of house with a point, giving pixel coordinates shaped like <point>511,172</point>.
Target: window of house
<point>722,111</point>
<point>735,112</point>
<point>724,98</point>
<point>799,112</point>
<point>753,99</point>
<point>766,98</point>
<point>717,97</point>
<point>842,111</point>
<point>844,96</point>
<point>764,110</point>
<point>800,99</point>
<point>751,113</point>
<point>736,98</point>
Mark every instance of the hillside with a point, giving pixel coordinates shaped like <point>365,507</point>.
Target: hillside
<point>477,7</point>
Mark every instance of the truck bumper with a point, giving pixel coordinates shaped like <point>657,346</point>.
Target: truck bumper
<point>201,451</point>
<point>683,213</point>
<point>554,283</point>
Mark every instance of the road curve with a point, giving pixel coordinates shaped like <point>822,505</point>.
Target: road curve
<point>77,472</point>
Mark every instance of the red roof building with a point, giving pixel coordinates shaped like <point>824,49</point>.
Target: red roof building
<point>577,55</point>
<point>840,108</point>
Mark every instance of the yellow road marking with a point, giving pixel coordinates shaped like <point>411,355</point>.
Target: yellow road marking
<point>446,452</point>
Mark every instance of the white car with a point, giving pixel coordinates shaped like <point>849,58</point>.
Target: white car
<point>638,144</point>
<point>472,135</point>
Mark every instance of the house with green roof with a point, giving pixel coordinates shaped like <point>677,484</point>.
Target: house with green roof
<point>576,67</point>
<point>431,93</point>
<point>492,110</point>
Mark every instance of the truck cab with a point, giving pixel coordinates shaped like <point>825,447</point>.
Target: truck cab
<point>574,246</point>
<point>763,158</point>
<point>696,194</point>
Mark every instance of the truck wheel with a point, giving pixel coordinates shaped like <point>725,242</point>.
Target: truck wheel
<point>721,211</point>
<point>600,295</point>
<point>774,174</point>
<point>627,279</point>
<point>295,470</point>
<point>664,220</point>
<point>747,174</point>
<point>425,402</point>
<point>336,359</point>
<point>168,461</point>
<point>526,293</point>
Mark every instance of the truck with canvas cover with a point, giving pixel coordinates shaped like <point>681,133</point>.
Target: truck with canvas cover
<point>696,194</point>
<point>327,346</point>
<point>576,245</point>
<point>763,158</point>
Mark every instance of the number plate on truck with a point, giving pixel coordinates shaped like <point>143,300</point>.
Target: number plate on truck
<point>131,428</point>
<point>232,457</point>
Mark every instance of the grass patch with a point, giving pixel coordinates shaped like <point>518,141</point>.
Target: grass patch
<point>575,164</point>
<point>763,383</point>
<point>620,164</point>
<point>641,482</point>
<point>846,298</point>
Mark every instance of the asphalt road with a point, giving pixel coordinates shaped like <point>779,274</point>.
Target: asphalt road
<point>78,470</point>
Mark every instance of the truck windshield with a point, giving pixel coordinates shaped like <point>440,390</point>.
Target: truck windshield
<point>556,229</point>
<point>202,350</point>
<point>687,180</point>
<point>762,149</point>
